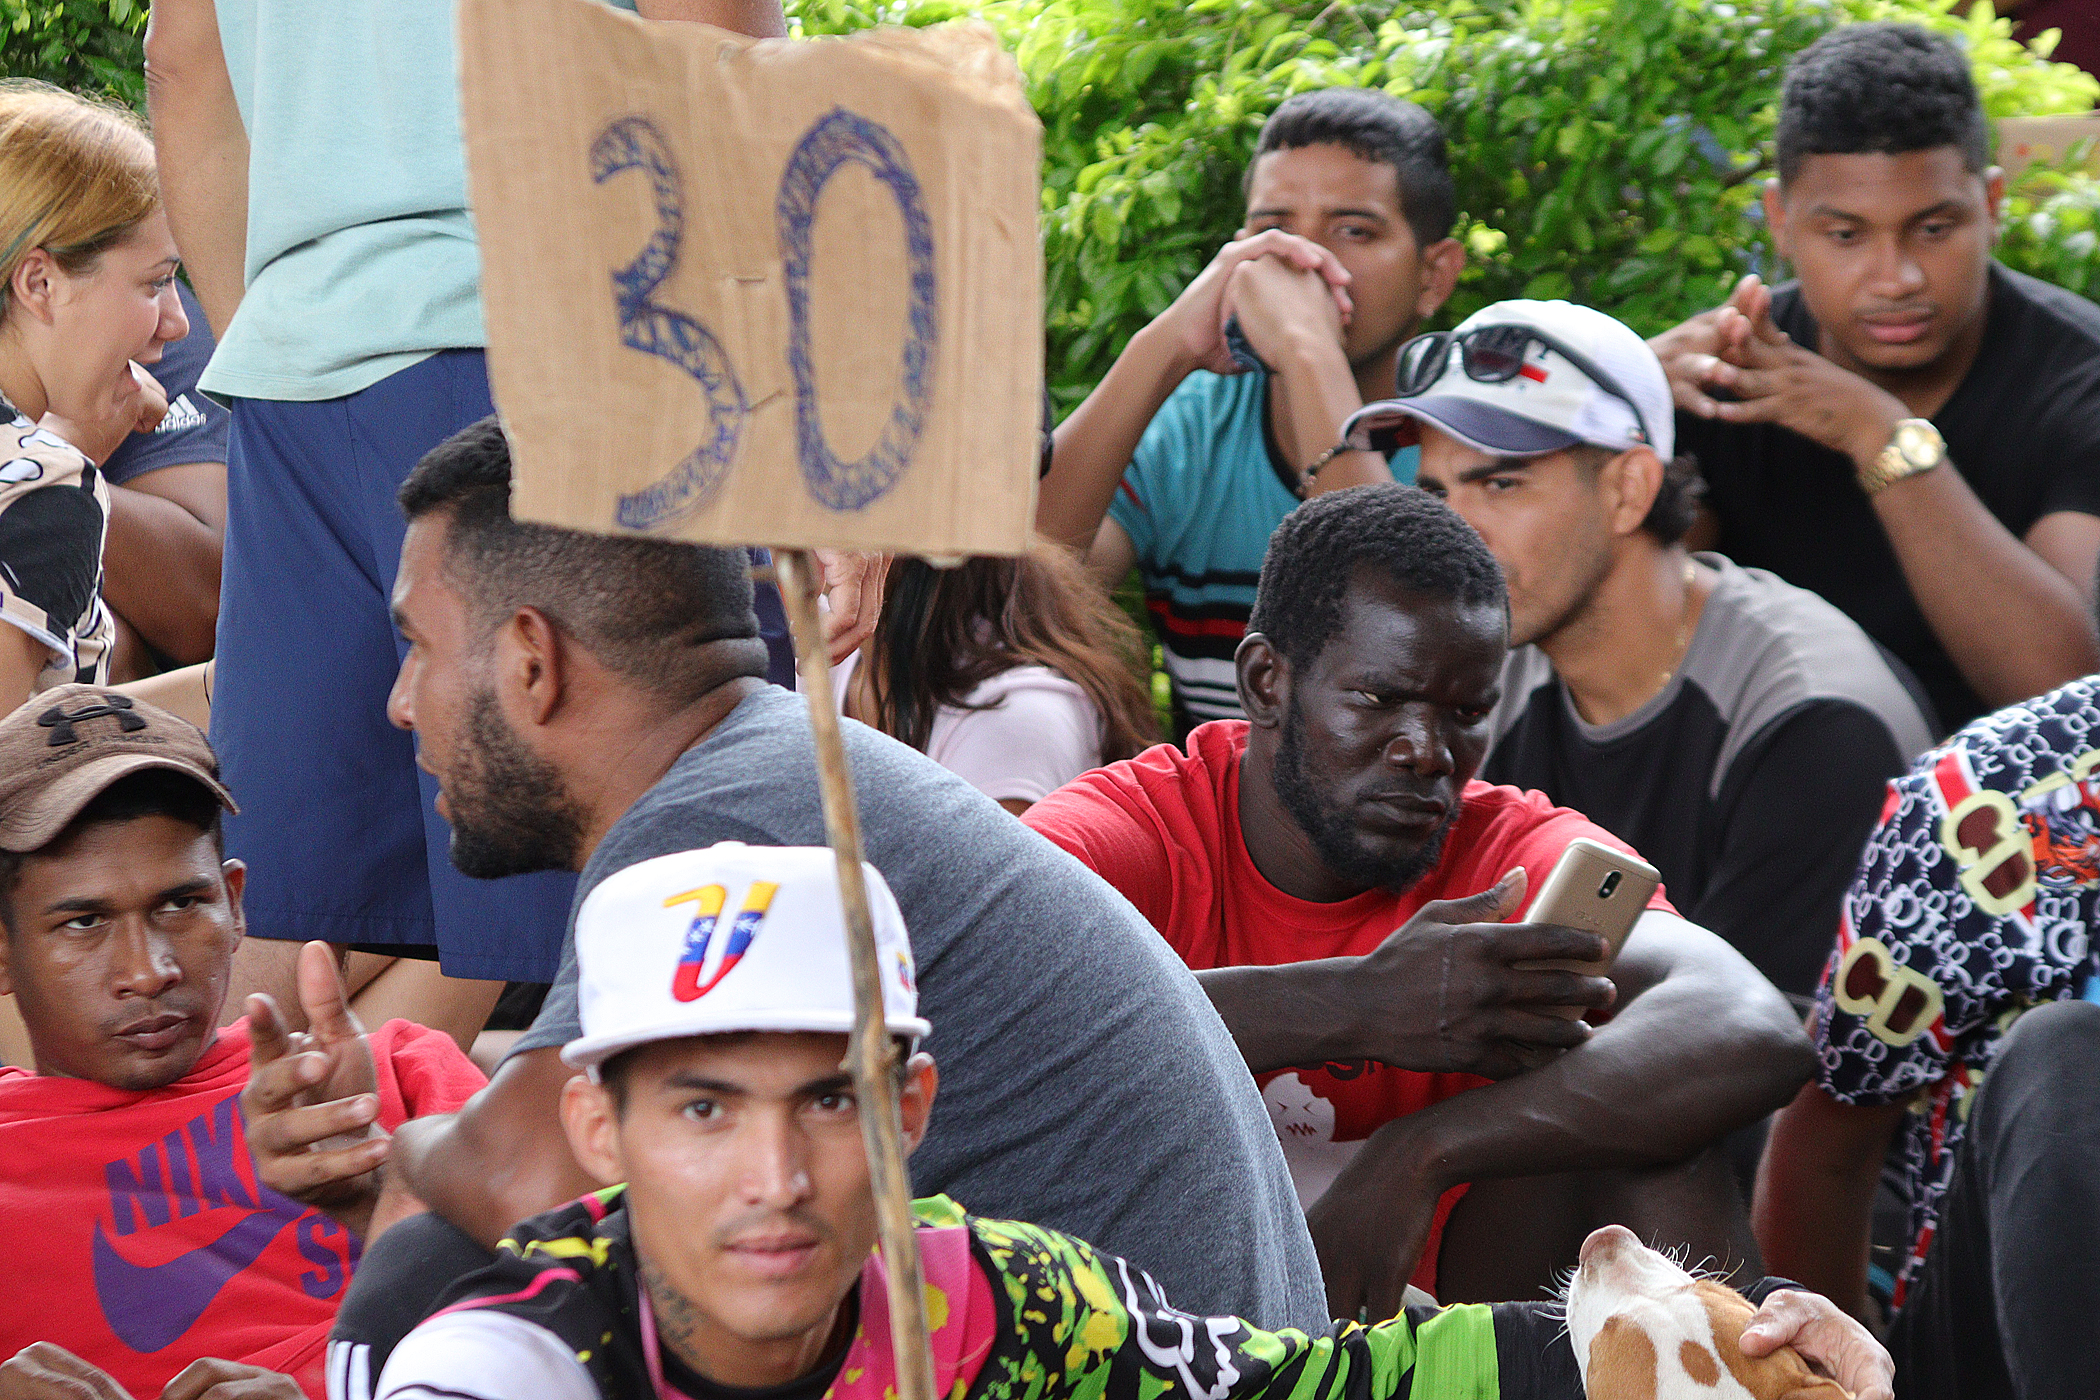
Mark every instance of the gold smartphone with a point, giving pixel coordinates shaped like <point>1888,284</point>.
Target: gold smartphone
<point>1598,889</point>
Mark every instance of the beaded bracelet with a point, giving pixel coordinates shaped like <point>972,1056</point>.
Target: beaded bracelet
<point>1305,478</point>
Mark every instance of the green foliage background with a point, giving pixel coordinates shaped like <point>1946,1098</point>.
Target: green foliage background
<point>94,46</point>
<point>1605,150</point>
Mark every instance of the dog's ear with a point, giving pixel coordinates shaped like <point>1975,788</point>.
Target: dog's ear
<point>1622,1362</point>
<point>1783,1375</point>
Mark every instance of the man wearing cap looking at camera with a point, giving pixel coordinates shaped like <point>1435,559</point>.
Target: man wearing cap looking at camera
<point>143,1163</point>
<point>1688,706</point>
<point>739,1253</point>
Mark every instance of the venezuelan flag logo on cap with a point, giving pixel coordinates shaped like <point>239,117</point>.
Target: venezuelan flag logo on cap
<point>700,940</point>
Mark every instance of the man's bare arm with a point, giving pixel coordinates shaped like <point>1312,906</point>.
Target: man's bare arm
<point>1441,993</point>
<point>2015,621</point>
<point>1813,1212</point>
<point>1701,1045</point>
<point>501,1158</point>
<point>1094,444</point>
<point>160,564</point>
<point>2014,614</point>
<point>1091,448</point>
<point>201,148</point>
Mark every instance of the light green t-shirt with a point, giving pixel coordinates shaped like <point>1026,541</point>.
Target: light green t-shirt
<point>361,253</point>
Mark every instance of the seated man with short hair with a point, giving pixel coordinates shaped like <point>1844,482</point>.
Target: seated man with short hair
<point>590,702</point>
<point>131,1203</point>
<point>738,1256</point>
<point>1191,448</point>
<point>1339,882</point>
<point>1910,428</point>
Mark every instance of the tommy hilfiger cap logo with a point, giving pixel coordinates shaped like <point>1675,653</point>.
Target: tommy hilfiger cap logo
<point>60,721</point>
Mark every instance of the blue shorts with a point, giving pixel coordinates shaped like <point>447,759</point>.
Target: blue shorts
<point>337,823</point>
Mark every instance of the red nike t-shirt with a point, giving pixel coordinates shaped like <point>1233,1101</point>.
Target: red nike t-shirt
<point>1164,829</point>
<point>139,1238</point>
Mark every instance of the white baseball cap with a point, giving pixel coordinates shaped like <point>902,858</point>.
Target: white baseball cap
<point>1585,378</point>
<point>731,938</point>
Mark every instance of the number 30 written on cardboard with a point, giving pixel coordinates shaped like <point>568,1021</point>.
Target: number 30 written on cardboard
<point>757,291</point>
<point>632,143</point>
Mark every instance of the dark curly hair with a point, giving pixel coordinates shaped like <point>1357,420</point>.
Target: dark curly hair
<point>1403,531</point>
<point>1675,508</point>
<point>1373,126</point>
<point>1880,89</point>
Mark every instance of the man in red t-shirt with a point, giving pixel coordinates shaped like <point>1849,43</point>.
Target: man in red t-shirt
<point>139,1231</point>
<point>1337,880</point>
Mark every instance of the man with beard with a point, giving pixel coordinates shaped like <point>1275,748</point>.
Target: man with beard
<point>591,703</point>
<point>1338,881</point>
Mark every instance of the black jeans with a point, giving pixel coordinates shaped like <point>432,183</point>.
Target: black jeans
<point>2007,1303</point>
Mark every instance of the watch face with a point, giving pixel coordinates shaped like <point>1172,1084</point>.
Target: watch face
<point>1918,443</point>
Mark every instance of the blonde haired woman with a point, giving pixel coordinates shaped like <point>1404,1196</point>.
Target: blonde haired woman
<point>87,296</point>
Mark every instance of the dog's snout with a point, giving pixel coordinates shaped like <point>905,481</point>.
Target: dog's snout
<point>1609,1240</point>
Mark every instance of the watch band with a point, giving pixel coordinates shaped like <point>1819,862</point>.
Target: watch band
<point>1913,448</point>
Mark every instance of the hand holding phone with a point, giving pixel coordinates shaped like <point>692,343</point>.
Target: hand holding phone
<point>1595,888</point>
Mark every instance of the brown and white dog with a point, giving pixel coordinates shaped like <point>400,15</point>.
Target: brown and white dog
<point>1644,1329</point>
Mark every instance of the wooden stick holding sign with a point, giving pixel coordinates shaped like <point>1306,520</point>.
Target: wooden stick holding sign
<point>871,1055</point>
<point>767,291</point>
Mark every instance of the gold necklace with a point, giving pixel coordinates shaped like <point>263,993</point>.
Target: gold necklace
<point>1684,625</point>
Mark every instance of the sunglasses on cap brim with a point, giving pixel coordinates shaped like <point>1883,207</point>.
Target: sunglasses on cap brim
<point>1496,355</point>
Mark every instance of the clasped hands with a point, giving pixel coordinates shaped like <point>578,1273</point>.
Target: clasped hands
<point>1737,349</point>
<point>1279,286</point>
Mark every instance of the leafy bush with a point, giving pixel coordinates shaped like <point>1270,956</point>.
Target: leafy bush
<point>1605,150</point>
<point>94,46</point>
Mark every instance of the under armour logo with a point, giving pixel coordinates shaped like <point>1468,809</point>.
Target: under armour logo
<point>60,722</point>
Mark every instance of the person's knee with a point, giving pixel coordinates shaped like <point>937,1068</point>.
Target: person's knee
<point>2051,1039</point>
<point>1694,1204</point>
<point>2022,1096</point>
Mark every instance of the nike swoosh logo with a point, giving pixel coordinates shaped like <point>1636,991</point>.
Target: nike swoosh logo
<point>149,1306</point>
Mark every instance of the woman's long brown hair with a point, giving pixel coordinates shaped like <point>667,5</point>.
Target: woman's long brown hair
<point>944,632</point>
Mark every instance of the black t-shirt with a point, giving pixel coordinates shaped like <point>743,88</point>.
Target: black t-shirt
<point>2023,429</point>
<point>1750,780</point>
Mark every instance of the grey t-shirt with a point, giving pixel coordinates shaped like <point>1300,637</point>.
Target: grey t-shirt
<point>1086,1083</point>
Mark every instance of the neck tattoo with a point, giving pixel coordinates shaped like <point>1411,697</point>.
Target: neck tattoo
<point>677,1320</point>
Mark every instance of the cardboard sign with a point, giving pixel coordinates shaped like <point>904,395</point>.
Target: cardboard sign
<point>758,291</point>
<point>2024,140</point>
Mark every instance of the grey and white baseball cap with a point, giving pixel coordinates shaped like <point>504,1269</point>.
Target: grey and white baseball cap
<point>1609,392</point>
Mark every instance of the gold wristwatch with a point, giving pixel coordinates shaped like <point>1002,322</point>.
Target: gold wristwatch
<point>1916,446</point>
